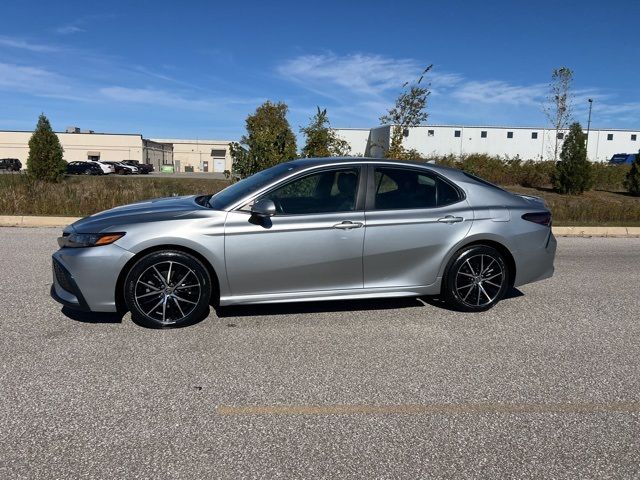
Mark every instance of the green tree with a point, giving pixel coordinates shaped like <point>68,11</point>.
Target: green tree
<point>409,111</point>
<point>269,141</point>
<point>322,140</point>
<point>632,182</point>
<point>559,105</point>
<point>573,173</point>
<point>45,160</point>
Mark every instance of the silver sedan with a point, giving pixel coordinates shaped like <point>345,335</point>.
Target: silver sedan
<point>308,230</point>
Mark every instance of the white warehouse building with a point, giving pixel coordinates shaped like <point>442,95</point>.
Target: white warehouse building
<point>526,143</point>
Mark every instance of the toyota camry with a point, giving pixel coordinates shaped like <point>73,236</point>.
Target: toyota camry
<point>308,230</point>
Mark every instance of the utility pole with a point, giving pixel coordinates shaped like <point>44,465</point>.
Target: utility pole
<point>589,124</point>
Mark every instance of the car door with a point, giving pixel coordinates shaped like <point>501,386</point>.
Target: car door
<point>313,243</point>
<point>413,217</point>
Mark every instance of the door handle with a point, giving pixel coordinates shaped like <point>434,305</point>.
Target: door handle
<point>348,225</point>
<point>450,219</point>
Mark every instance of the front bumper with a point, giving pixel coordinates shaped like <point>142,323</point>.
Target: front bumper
<point>86,278</point>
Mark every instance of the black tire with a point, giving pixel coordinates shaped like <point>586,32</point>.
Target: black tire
<point>88,172</point>
<point>476,278</point>
<point>181,301</point>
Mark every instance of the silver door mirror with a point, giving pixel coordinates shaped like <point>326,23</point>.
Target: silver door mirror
<point>264,208</point>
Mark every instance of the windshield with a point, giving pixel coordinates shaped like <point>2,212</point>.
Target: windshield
<point>246,186</point>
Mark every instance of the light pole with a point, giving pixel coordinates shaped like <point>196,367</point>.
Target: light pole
<point>589,124</point>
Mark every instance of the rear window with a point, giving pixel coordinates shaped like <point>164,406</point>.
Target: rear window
<point>483,181</point>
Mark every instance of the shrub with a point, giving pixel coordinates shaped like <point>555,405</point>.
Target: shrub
<point>573,171</point>
<point>609,177</point>
<point>45,160</point>
<point>632,180</point>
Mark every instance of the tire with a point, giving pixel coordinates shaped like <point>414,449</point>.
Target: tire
<point>181,301</point>
<point>87,172</point>
<point>476,279</point>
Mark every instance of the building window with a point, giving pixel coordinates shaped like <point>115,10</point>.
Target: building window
<point>634,137</point>
<point>534,135</point>
<point>430,133</point>
<point>560,136</point>
<point>483,134</point>
<point>218,153</point>
<point>405,132</point>
<point>509,134</point>
<point>456,133</point>
<point>609,136</point>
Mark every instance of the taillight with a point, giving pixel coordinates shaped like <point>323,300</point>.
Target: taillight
<point>542,218</point>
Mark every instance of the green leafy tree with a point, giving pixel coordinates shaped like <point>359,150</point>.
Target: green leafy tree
<point>409,111</point>
<point>269,141</point>
<point>321,139</point>
<point>632,182</point>
<point>573,173</point>
<point>45,160</point>
<point>559,105</point>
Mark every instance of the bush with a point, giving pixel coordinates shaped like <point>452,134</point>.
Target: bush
<point>573,171</point>
<point>45,160</point>
<point>632,180</point>
<point>609,177</point>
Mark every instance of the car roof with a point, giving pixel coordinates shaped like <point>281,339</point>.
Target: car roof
<point>328,161</point>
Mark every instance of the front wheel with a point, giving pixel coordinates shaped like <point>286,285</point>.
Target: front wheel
<point>168,289</point>
<point>477,279</point>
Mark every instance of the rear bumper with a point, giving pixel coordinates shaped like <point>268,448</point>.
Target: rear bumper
<point>533,264</point>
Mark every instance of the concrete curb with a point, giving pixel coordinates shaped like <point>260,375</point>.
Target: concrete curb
<point>29,221</point>
<point>32,221</point>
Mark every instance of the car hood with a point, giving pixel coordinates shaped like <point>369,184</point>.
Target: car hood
<point>148,211</point>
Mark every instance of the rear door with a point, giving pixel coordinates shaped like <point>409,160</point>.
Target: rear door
<point>413,218</point>
<point>313,243</point>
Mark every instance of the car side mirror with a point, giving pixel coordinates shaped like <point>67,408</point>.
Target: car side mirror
<point>264,208</point>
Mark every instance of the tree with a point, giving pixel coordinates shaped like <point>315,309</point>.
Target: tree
<point>269,141</point>
<point>45,160</point>
<point>573,172</point>
<point>559,106</point>
<point>408,111</point>
<point>632,182</point>
<point>322,140</point>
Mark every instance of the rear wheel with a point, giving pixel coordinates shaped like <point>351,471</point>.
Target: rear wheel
<point>168,289</point>
<point>477,279</point>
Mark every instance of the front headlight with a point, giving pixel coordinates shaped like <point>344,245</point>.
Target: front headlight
<point>77,240</point>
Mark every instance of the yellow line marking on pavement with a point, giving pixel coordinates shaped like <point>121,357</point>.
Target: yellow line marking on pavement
<point>444,408</point>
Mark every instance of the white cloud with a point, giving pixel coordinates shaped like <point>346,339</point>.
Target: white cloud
<point>69,29</point>
<point>166,98</point>
<point>500,92</point>
<point>22,44</point>
<point>360,74</point>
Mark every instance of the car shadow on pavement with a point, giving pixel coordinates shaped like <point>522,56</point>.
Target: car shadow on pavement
<point>92,317</point>
<point>316,307</point>
<point>339,306</point>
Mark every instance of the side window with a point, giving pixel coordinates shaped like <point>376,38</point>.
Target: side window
<point>322,192</point>
<point>398,189</point>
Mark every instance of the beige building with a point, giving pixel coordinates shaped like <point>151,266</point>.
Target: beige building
<point>179,154</point>
<point>199,155</point>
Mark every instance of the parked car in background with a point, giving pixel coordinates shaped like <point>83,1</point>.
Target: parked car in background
<point>106,168</point>
<point>143,168</point>
<point>84,168</point>
<point>10,164</point>
<point>122,169</point>
<point>308,230</point>
<point>623,159</point>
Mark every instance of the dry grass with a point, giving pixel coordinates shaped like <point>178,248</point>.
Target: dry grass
<point>591,208</point>
<point>80,196</point>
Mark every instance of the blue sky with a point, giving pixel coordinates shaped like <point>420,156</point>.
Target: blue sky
<point>197,69</point>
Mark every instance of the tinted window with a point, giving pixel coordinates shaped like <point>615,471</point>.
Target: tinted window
<point>322,192</point>
<point>397,189</point>
<point>610,136</point>
<point>534,135</point>
<point>456,133</point>
<point>483,134</point>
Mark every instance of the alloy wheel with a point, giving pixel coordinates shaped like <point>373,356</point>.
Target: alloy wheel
<point>479,280</point>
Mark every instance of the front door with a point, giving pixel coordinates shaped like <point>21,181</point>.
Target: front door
<point>413,218</point>
<point>313,243</point>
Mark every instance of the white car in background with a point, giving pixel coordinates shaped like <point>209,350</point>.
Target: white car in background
<point>106,168</point>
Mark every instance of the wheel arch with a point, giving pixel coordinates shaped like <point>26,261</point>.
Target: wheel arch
<point>119,293</point>
<point>489,242</point>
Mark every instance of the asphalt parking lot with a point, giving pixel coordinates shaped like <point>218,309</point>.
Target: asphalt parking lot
<point>545,385</point>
